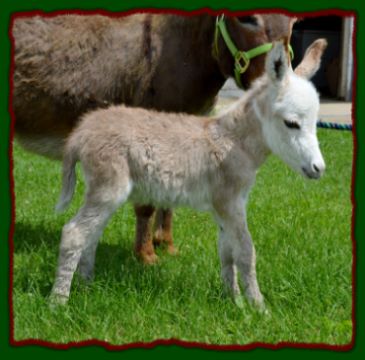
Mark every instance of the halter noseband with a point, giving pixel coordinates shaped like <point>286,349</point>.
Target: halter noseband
<point>241,58</point>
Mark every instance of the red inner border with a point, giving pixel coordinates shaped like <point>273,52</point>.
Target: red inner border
<point>172,341</point>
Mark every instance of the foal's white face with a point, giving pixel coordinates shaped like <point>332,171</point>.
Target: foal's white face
<point>290,123</point>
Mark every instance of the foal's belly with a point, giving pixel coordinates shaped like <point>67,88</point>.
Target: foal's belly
<point>193,196</point>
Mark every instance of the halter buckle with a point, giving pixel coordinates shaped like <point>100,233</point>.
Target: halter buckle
<point>241,62</point>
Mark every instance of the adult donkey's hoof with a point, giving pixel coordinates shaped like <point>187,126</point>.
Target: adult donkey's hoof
<point>148,259</point>
<point>146,253</point>
<point>164,239</point>
<point>172,250</point>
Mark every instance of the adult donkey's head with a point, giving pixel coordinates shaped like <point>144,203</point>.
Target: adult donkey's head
<point>289,110</point>
<point>242,42</point>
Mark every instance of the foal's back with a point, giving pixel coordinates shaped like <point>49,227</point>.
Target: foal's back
<point>172,153</point>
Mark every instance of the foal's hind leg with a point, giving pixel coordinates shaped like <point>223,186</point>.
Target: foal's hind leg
<point>87,260</point>
<point>163,230</point>
<point>143,244</point>
<point>81,232</point>
<point>80,237</point>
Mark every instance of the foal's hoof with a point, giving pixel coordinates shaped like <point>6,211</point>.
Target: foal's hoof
<point>259,306</point>
<point>238,300</point>
<point>85,277</point>
<point>56,300</point>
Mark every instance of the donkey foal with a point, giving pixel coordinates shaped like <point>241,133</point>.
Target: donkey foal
<point>171,160</point>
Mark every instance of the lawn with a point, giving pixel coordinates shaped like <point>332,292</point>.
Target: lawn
<point>301,230</point>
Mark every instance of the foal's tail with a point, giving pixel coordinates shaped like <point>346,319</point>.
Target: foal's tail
<point>68,178</point>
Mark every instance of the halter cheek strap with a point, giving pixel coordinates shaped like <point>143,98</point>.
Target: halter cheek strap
<point>241,58</point>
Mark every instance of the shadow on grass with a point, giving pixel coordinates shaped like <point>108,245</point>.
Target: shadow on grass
<point>115,263</point>
<point>33,236</point>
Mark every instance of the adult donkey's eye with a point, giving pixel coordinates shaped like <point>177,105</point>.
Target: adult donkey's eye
<point>291,124</point>
<point>247,20</point>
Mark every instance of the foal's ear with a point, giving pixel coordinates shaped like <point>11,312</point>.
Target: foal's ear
<point>312,59</point>
<point>277,63</point>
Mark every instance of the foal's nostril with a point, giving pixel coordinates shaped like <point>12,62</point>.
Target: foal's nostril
<point>314,171</point>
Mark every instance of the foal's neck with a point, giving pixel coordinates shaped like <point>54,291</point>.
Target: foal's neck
<point>242,124</point>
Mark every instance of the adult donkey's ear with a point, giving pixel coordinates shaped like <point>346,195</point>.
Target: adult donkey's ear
<point>277,62</point>
<point>312,59</point>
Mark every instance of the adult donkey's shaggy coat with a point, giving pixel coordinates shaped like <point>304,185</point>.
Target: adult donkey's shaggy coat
<point>170,160</point>
<point>68,65</point>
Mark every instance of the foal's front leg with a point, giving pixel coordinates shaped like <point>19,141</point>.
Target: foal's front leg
<point>244,255</point>
<point>237,250</point>
<point>228,268</point>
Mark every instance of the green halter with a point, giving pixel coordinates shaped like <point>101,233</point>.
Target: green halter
<point>241,58</point>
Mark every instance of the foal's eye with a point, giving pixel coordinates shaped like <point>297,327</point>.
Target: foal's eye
<point>291,124</point>
<point>252,20</point>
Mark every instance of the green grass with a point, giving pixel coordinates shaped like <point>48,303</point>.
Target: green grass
<point>301,230</point>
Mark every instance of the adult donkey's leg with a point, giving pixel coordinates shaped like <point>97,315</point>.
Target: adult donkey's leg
<point>163,230</point>
<point>143,244</point>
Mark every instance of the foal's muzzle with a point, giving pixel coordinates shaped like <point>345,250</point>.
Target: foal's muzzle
<point>314,171</point>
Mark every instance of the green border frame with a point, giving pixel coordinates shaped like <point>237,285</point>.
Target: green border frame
<point>7,7</point>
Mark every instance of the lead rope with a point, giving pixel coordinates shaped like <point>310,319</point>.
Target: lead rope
<point>334,126</point>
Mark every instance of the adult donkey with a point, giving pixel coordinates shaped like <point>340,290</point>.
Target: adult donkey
<point>67,65</point>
